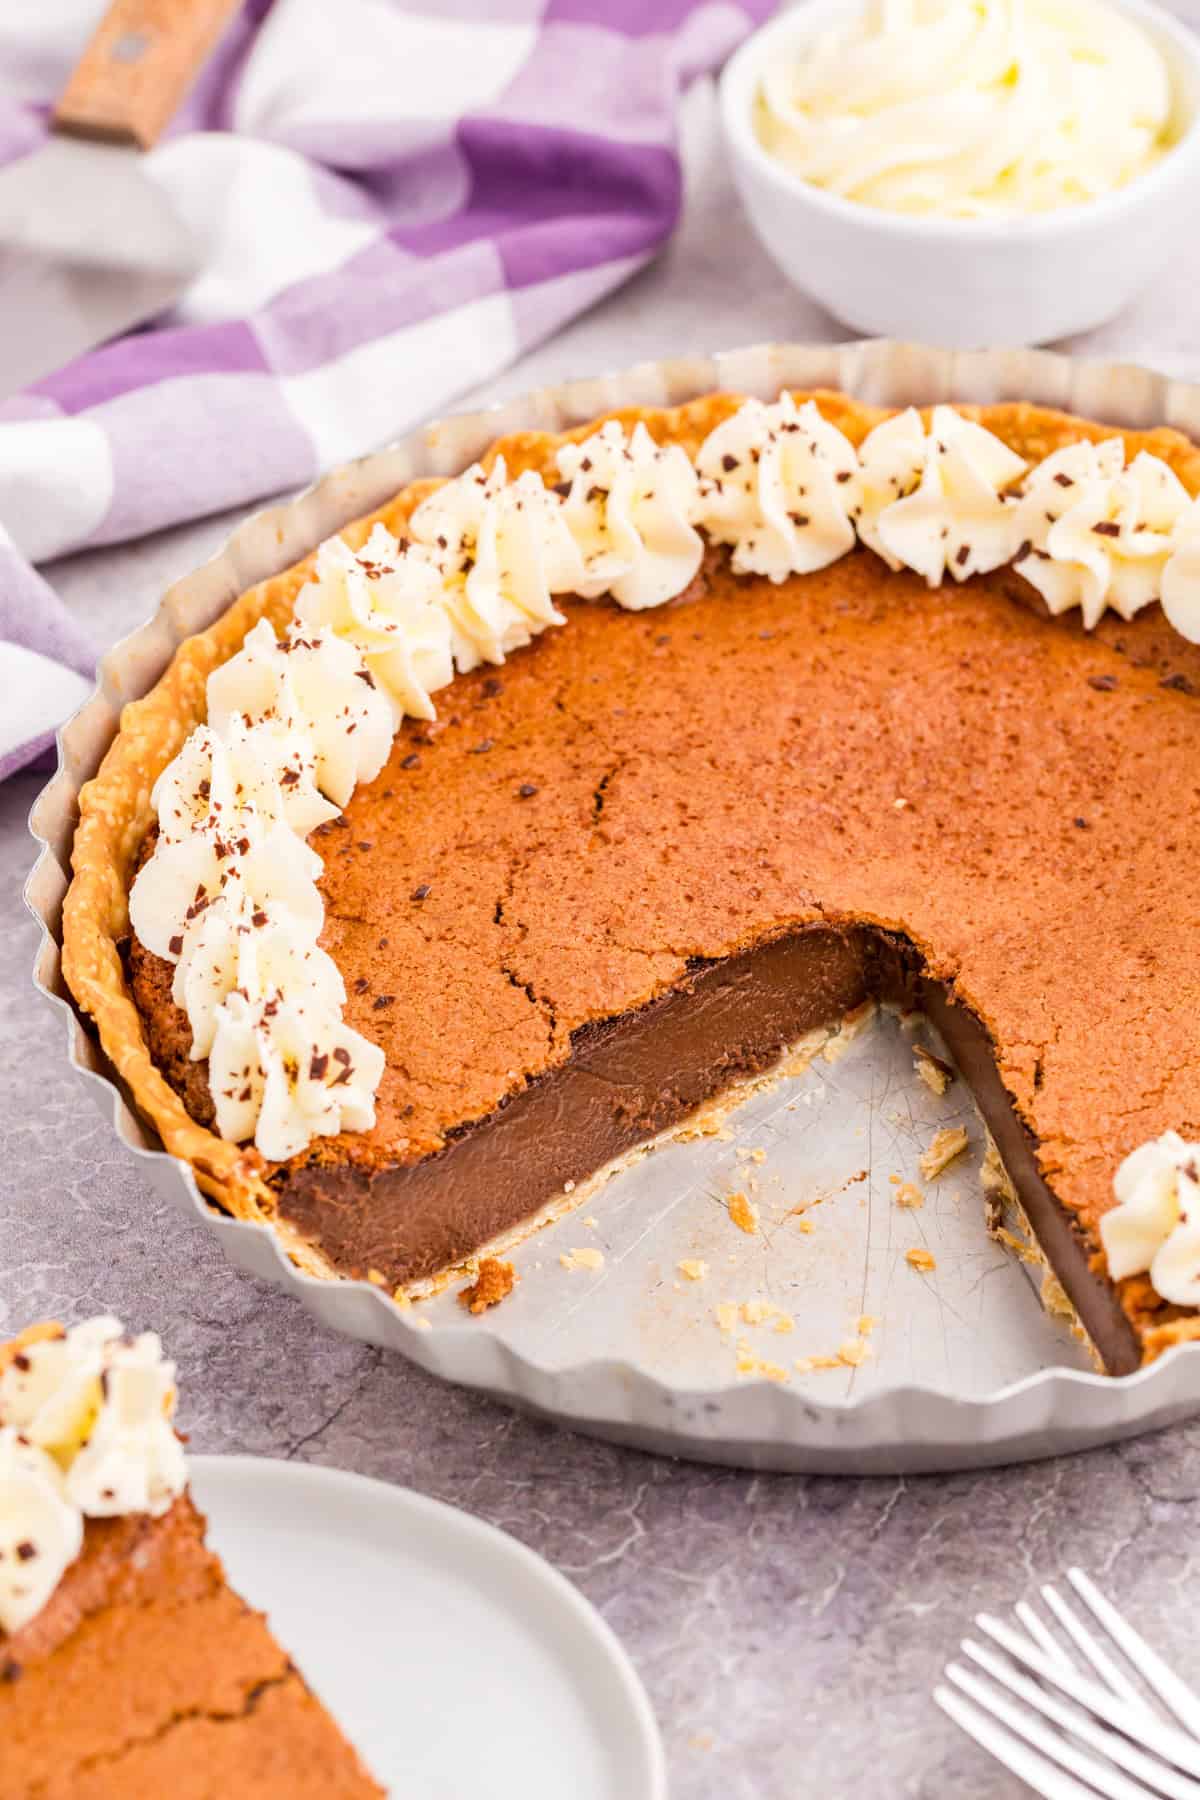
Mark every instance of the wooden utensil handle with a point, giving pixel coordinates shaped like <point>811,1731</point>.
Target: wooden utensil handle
<point>143,58</point>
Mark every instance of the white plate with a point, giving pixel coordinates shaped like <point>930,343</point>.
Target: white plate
<point>433,1637</point>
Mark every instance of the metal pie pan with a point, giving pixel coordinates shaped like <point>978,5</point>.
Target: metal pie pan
<point>627,1349</point>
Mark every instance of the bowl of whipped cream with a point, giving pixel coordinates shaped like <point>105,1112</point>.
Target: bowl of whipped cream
<point>968,172</point>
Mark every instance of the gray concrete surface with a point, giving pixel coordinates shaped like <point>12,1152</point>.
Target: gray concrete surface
<point>788,1630</point>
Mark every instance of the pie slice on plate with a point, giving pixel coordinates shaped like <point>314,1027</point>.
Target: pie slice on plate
<point>129,1669</point>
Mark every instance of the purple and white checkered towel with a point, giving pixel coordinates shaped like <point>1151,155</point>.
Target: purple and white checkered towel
<point>398,197</point>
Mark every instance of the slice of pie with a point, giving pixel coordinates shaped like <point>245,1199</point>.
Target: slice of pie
<point>129,1669</point>
<point>452,865</point>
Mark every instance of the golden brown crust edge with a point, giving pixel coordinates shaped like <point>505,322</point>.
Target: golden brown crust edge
<point>115,811</point>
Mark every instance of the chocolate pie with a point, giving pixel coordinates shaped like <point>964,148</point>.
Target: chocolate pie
<point>827,716</point>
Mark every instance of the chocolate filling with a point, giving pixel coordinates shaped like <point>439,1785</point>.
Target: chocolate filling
<point>631,1077</point>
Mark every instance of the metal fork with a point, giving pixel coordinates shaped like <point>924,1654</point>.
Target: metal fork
<point>1073,1727</point>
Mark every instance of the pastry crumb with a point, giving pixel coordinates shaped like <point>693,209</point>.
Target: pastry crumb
<point>920,1259</point>
<point>582,1259</point>
<point>851,1027</point>
<point>750,1363</point>
<point>757,1312</point>
<point>694,1268</point>
<point>422,1325</point>
<point>947,1143</point>
<point>806,1365</point>
<point>854,1351</point>
<point>376,1277</point>
<point>591,1223</point>
<point>865,1324</point>
<point>710,1121</point>
<point>936,1074</point>
<point>743,1212</point>
<point>493,1283</point>
<point>909,1195</point>
<point>806,1226</point>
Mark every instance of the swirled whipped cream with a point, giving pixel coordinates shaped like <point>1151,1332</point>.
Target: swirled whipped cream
<point>257,775</point>
<point>260,948</point>
<point>970,108</point>
<point>289,1073</point>
<point>85,1431</point>
<point>1181,577</point>
<point>935,501</point>
<point>230,894</point>
<point>503,550</point>
<point>629,505</point>
<point>310,681</point>
<point>1095,533</point>
<point>41,1532</point>
<point>1155,1225</point>
<point>779,484</point>
<point>385,600</point>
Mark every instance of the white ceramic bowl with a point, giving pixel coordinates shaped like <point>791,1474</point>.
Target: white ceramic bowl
<point>965,282</point>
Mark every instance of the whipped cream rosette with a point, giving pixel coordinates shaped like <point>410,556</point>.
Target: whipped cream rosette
<point>271,867</point>
<point>1181,577</point>
<point>262,950</point>
<point>264,772</point>
<point>311,681</point>
<point>61,1392</point>
<point>1155,1226</point>
<point>41,1532</point>
<point>503,551</point>
<point>1096,533</point>
<point>629,504</point>
<point>935,501</point>
<point>386,601</point>
<point>286,1073</point>
<point>779,485</point>
<point>85,1430</point>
